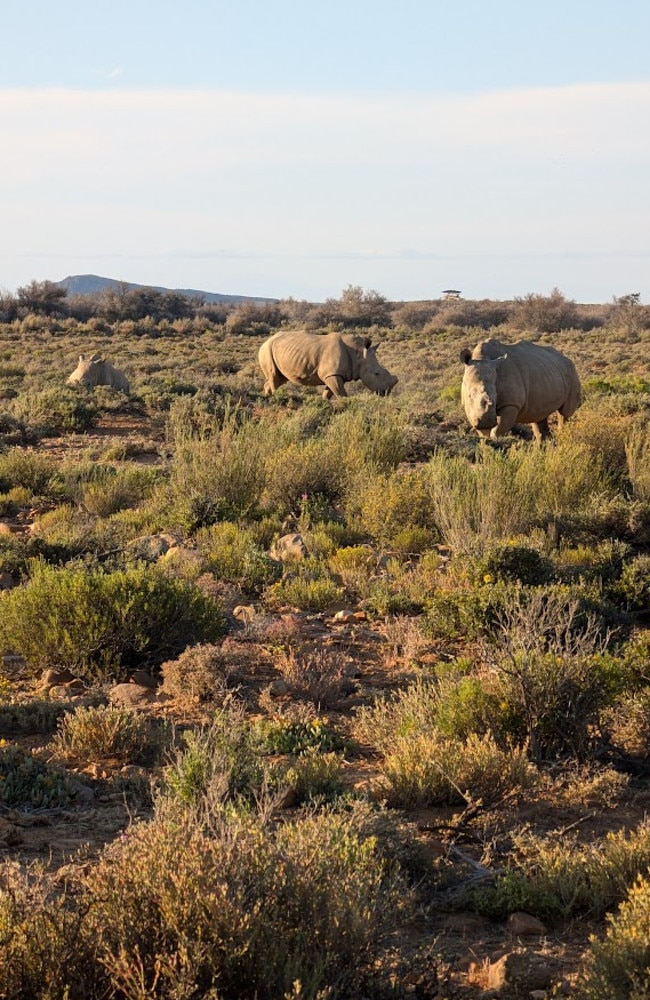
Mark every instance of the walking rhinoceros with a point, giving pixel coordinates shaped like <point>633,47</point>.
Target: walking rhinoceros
<point>96,371</point>
<point>329,359</point>
<point>504,384</point>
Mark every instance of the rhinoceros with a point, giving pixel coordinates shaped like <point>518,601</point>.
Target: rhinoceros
<point>97,371</point>
<point>504,384</point>
<point>329,359</point>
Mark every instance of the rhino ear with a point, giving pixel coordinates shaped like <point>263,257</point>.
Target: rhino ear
<point>465,355</point>
<point>96,359</point>
<point>81,357</point>
<point>367,342</point>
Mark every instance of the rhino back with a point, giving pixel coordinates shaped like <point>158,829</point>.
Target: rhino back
<point>307,358</point>
<point>536,378</point>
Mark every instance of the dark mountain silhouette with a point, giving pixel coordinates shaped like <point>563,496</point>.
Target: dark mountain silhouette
<point>90,284</point>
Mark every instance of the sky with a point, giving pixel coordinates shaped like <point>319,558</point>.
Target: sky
<point>285,148</point>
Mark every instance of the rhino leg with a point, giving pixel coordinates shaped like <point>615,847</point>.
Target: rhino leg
<point>335,386</point>
<point>541,430</point>
<point>506,419</point>
<point>273,382</point>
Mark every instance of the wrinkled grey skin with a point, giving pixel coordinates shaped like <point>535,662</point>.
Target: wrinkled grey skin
<point>96,371</point>
<point>329,359</point>
<point>505,384</point>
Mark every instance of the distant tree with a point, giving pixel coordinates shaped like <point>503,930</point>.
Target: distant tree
<point>355,308</point>
<point>546,313</point>
<point>8,307</point>
<point>42,297</point>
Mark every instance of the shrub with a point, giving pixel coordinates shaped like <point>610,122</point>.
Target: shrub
<point>28,469</point>
<point>619,966</point>
<point>634,583</point>
<point>386,504</point>
<point>104,731</point>
<point>321,675</point>
<point>217,763</point>
<point>241,910</point>
<point>57,411</point>
<point>231,553</point>
<point>428,769</point>
<point>27,781</point>
<point>514,562</point>
<point>200,673</point>
<point>217,469</point>
<point>559,679</point>
<point>307,590</point>
<point>313,776</point>
<point>559,879</point>
<point>121,488</point>
<point>297,736</point>
<point>95,622</point>
<point>41,951</point>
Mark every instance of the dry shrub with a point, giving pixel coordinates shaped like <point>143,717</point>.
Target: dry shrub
<point>200,673</point>
<point>95,733</point>
<point>240,910</point>
<point>619,965</point>
<point>559,878</point>
<point>321,676</point>
<point>428,769</point>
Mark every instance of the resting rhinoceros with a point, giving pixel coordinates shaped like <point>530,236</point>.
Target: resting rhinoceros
<point>329,359</point>
<point>504,384</point>
<point>96,371</point>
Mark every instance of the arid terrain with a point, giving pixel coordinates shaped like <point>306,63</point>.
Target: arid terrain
<point>288,609</point>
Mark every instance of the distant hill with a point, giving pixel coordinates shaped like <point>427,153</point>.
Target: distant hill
<point>90,284</point>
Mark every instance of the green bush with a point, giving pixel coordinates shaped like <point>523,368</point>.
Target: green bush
<point>514,562</point>
<point>634,583</point>
<point>215,764</point>
<point>98,623</point>
<point>231,553</point>
<point>28,469</point>
<point>57,411</point>
<point>25,780</point>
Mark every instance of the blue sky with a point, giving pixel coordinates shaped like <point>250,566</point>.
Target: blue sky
<point>287,149</point>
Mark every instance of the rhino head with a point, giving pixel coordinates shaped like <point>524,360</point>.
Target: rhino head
<point>479,390</point>
<point>88,371</point>
<point>373,374</point>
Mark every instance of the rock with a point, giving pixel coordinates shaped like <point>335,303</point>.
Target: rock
<point>143,679</point>
<point>278,688</point>
<point>7,581</point>
<point>152,547</point>
<point>522,971</point>
<point>131,695</point>
<point>345,617</point>
<point>80,791</point>
<point>10,835</point>
<point>524,925</point>
<point>289,548</point>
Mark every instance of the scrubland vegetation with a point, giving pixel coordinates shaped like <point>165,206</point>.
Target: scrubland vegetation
<point>432,712</point>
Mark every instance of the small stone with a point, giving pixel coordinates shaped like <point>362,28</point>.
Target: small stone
<point>278,688</point>
<point>524,925</point>
<point>131,695</point>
